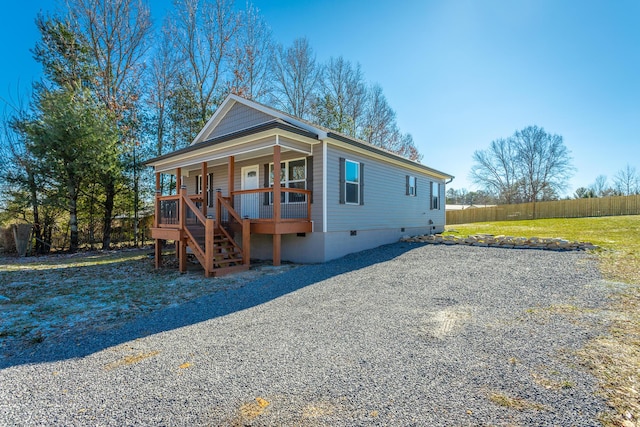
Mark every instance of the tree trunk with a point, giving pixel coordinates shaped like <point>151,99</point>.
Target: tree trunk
<point>72,194</point>
<point>37,229</point>
<point>110,194</point>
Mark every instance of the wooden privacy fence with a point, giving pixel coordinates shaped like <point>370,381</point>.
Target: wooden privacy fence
<point>575,208</point>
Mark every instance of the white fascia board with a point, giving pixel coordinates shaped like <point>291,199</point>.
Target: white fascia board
<point>234,147</point>
<point>286,117</point>
<point>387,159</point>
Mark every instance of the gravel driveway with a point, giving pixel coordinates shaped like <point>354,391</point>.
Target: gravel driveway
<point>400,335</point>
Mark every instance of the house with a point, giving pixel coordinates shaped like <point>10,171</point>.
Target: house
<point>335,194</point>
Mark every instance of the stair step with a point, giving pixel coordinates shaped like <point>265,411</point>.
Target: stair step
<point>227,261</point>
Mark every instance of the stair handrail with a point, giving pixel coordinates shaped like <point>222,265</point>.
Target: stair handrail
<point>246,224</point>
<point>202,255</point>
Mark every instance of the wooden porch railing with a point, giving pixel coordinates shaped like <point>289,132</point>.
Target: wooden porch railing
<point>258,204</point>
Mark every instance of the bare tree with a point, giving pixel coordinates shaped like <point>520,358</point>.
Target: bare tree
<point>529,166</point>
<point>204,32</point>
<point>162,81</point>
<point>544,164</point>
<point>496,170</point>
<point>601,187</point>
<point>627,181</point>
<point>379,118</point>
<point>296,76</point>
<point>251,56</point>
<point>341,100</point>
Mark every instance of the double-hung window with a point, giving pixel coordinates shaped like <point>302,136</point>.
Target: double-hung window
<point>351,182</point>
<point>293,174</point>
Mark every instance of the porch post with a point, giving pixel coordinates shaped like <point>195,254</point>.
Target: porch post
<point>231,166</point>
<point>205,193</point>
<point>178,186</point>
<point>182,256</point>
<point>276,183</point>
<point>156,222</point>
<point>277,238</point>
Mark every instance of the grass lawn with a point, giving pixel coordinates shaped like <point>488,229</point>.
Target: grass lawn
<point>614,358</point>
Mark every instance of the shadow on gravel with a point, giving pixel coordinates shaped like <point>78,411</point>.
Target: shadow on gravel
<point>266,288</point>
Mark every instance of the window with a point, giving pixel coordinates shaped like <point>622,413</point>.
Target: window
<point>293,174</point>
<point>411,186</point>
<point>351,182</point>
<point>435,195</point>
<point>209,188</point>
<point>198,184</point>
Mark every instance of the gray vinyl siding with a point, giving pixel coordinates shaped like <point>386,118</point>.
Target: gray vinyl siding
<point>219,179</point>
<point>386,205</point>
<point>237,118</point>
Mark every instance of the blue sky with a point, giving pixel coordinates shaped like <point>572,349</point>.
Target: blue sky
<point>459,73</point>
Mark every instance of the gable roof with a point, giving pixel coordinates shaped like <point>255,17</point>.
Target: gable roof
<point>232,100</point>
<point>269,118</point>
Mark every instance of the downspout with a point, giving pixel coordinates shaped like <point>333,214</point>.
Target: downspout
<point>324,185</point>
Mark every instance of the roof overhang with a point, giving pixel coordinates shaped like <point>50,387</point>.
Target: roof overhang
<point>387,156</point>
<point>249,143</point>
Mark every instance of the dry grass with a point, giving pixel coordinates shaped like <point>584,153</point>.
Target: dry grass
<point>131,359</point>
<point>41,297</point>
<point>615,357</point>
<point>502,399</point>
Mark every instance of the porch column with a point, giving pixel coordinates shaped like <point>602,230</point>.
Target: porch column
<point>276,183</point>
<point>156,222</point>
<point>277,238</point>
<point>231,170</point>
<point>178,186</point>
<point>182,245</point>
<point>204,189</point>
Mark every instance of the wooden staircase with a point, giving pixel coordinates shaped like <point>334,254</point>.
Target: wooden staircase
<point>226,256</point>
<point>221,247</point>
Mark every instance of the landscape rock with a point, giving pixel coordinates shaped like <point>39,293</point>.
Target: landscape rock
<point>508,242</point>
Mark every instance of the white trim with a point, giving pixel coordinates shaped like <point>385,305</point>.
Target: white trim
<point>324,187</point>
<point>346,181</point>
<point>419,167</point>
<point>245,169</point>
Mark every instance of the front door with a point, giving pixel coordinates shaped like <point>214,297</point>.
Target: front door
<point>250,203</point>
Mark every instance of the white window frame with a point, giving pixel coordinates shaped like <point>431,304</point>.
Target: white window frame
<point>284,183</point>
<point>198,184</point>
<point>200,190</point>
<point>435,196</point>
<point>412,186</point>
<point>347,182</point>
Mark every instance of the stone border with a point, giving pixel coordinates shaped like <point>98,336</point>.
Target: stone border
<point>509,242</point>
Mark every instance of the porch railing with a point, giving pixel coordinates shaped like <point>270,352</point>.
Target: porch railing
<point>168,210</point>
<point>258,204</point>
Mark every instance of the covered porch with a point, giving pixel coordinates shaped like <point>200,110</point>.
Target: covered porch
<point>222,193</point>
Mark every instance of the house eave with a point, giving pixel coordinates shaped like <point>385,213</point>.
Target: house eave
<point>395,158</point>
<point>275,125</point>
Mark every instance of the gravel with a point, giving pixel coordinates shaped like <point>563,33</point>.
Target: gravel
<point>404,334</point>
